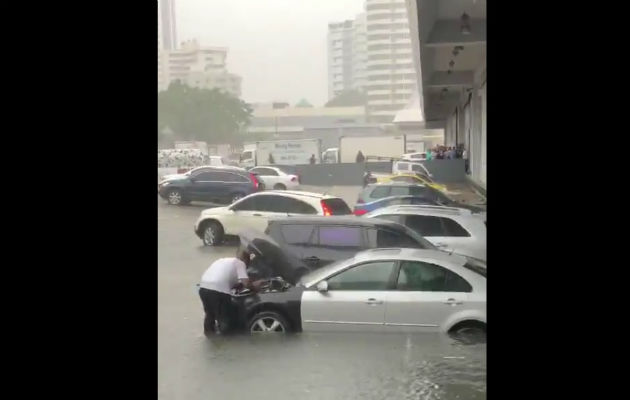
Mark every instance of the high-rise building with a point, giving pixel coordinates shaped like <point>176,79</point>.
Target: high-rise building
<point>390,71</point>
<point>167,27</point>
<point>340,38</point>
<point>359,52</point>
<point>197,66</point>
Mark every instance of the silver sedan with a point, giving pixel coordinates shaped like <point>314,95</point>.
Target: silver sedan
<point>407,290</point>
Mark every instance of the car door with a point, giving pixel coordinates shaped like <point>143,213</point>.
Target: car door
<point>424,298</point>
<point>355,299</point>
<point>244,213</point>
<point>255,214</point>
<point>333,243</point>
<point>204,185</point>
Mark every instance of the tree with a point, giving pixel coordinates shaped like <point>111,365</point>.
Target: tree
<point>202,114</point>
<point>304,104</point>
<point>348,98</point>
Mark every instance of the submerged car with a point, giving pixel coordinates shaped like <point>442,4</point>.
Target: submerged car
<point>382,290</point>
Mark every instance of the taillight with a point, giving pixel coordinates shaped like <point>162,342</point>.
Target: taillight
<point>294,178</point>
<point>360,212</point>
<point>254,180</point>
<point>326,209</point>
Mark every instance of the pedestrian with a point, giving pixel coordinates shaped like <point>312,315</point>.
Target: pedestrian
<point>312,159</point>
<point>466,164</point>
<point>215,291</point>
<point>271,160</point>
<point>429,155</point>
<point>360,157</point>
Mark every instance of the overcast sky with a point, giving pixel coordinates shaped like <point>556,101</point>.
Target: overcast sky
<point>277,46</point>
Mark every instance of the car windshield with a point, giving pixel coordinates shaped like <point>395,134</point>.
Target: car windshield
<point>313,277</point>
<point>420,239</point>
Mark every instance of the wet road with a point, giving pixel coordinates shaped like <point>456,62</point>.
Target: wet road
<point>304,366</point>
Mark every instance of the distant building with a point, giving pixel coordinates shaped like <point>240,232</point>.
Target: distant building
<point>197,66</point>
<point>167,29</point>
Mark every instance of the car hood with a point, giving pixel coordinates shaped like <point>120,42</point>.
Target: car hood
<point>276,259</point>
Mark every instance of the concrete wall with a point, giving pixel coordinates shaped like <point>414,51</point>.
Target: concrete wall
<point>443,171</point>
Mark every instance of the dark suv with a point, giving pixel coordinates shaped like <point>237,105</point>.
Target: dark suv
<point>312,242</point>
<point>215,184</point>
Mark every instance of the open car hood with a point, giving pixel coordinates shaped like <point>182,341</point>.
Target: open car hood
<point>275,261</point>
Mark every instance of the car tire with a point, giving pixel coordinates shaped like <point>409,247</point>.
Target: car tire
<point>279,186</point>
<point>236,197</point>
<point>268,322</point>
<point>212,233</point>
<point>175,197</point>
<point>469,332</point>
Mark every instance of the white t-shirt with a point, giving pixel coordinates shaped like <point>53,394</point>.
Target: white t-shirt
<point>224,274</point>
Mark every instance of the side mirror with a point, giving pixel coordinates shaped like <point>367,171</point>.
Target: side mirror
<point>322,287</point>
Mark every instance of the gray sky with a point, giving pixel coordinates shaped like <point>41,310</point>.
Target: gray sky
<point>277,46</point>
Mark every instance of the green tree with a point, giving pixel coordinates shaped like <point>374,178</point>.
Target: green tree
<point>348,98</point>
<point>202,114</point>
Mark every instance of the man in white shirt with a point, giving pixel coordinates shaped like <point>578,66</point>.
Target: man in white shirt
<point>215,291</point>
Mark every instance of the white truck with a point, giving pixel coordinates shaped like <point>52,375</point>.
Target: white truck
<point>282,152</point>
<point>373,148</point>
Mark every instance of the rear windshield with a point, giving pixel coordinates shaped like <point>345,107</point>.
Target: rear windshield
<point>337,206</point>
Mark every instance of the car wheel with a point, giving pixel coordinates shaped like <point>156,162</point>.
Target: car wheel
<point>175,197</point>
<point>212,233</point>
<point>469,332</point>
<point>279,186</point>
<point>236,197</point>
<point>268,322</point>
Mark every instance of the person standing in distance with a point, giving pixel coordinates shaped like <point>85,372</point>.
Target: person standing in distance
<point>215,291</point>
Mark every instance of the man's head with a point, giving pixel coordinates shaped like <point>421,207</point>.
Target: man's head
<point>244,256</point>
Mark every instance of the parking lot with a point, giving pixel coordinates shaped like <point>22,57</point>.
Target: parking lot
<point>311,366</point>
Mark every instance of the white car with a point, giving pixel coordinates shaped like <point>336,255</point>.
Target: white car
<point>410,168</point>
<point>253,211</point>
<point>275,178</point>
<point>450,229</point>
<point>419,156</point>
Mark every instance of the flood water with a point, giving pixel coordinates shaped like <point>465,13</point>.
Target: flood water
<point>299,366</point>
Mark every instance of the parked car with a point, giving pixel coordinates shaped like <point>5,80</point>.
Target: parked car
<point>417,156</point>
<point>217,184</point>
<point>387,189</point>
<point>315,241</point>
<point>450,229</point>
<point>383,290</point>
<point>364,208</point>
<point>253,211</point>
<point>277,179</point>
<point>413,178</point>
<point>410,167</point>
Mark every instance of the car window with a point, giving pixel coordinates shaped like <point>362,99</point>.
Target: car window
<point>425,277</point>
<point>265,171</point>
<point>402,166</point>
<point>426,225</point>
<point>248,204</point>
<point>272,203</point>
<point>420,191</point>
<point>452,228</point>
<point>369,276</point>
<point>399,191</point>
<point>298,234</point>
<point>205,176</point>
<point>380,192</point>
<point>296,206</point>
<point>388,238</point>
<point>340,236</point>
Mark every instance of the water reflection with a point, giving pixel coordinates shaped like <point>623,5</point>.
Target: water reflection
<point>332,366</point>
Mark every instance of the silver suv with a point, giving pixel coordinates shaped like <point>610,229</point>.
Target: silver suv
<point>448,228</point>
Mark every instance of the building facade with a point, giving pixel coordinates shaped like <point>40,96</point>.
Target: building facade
<point>197,66</point>
<point>391,76</point>
<point>340,55</point>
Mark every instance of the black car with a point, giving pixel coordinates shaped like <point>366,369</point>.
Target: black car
<point>215,184</point>
<point>313,242</point>
<point>380,190</point>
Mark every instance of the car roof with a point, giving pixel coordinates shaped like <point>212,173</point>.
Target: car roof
<point>337,220</point>
<point>421,209</point>
<point>396,184</point>
<point>410,254</point>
